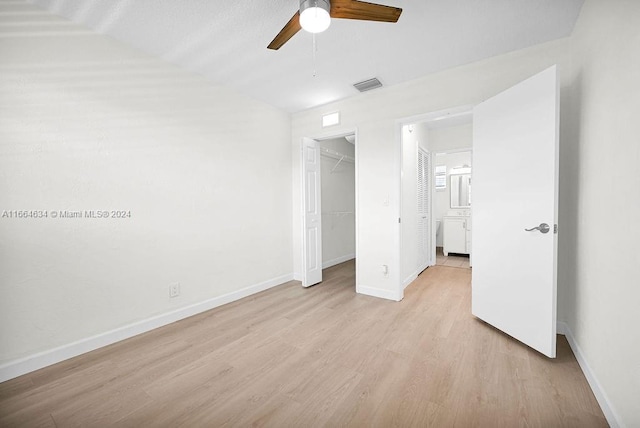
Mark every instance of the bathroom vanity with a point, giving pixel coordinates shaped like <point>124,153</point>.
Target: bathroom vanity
<point>457,234</point>
<point>457,223</point>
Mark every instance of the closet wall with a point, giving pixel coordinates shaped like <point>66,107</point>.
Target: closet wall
<point>338,201</point>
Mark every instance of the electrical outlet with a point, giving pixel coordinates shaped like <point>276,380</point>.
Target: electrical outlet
<point>174,290</point>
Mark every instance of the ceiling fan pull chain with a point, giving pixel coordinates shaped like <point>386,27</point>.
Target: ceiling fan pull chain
<point>315,48</point>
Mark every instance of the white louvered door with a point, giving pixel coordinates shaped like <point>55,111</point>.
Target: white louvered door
<point>424,210</point>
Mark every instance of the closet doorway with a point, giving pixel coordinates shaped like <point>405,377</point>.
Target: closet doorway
<point>329,198</point>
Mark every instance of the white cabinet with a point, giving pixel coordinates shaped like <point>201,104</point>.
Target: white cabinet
<point>457,235</point>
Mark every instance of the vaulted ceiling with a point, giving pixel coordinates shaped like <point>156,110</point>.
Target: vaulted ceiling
<point>226,40</point>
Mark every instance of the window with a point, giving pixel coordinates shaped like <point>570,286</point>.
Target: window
<point>441,177</point>
<point>331,119</point>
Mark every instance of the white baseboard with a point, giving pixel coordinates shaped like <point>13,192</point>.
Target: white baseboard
<point>410,279</point>
<point>338,260</point>
<point>612,416</point>
<point>37,361</point>
<point>415,275</point>
<point>378,292</point>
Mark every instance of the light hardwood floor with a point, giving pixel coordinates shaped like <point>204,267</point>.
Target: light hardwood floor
<point>452,260</point>
<point>323,356</point>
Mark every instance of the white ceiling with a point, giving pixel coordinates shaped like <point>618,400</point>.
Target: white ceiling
<point>226,40</point>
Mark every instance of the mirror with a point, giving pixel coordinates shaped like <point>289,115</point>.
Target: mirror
<point>460,190</point>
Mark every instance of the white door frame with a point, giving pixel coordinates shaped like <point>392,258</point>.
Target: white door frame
<point>419,118</point>
<point>328,134</point>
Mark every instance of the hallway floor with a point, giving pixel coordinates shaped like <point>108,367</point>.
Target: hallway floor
<point>452,260</point>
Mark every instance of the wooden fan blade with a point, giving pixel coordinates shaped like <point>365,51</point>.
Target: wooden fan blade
<point>354,9</point>
<point>287,32</point>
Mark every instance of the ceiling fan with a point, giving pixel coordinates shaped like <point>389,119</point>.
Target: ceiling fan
<point>315,16</point>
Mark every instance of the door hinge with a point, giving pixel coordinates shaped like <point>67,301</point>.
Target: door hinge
<point>399,220</point>
<point>555,228</point>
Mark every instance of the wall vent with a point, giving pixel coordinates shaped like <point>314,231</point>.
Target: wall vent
<point>368,85</point>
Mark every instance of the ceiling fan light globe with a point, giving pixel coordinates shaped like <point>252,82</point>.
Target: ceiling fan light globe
<point>315,19</point>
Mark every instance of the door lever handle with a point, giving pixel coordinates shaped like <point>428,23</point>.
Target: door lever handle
<point>543,228</point>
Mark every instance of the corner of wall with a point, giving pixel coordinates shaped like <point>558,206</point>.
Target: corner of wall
<point>601,396</point>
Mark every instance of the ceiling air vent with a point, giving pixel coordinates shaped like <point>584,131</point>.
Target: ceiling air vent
<point>368,85</point>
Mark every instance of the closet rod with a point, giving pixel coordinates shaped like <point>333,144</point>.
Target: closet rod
<point>336,155</point>
<point>338,213</point>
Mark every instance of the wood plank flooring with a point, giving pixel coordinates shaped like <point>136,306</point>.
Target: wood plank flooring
<point>323,356</point>
<point>452,260</point>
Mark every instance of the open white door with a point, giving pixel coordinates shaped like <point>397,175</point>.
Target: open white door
<point>312,216</point>
<point>515,187</point>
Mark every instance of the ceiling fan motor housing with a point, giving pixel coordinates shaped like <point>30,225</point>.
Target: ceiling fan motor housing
<point>323,4</point>
<point>315,16</point>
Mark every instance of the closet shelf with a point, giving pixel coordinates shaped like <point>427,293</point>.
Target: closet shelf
<point>338,213</point>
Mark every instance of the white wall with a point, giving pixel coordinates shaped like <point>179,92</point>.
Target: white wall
<point>442,198</point>
<point>374,114</point>
<point>87,123</point>
<point>338,204</point>
<point>600,201</point>
<point>450,138</point>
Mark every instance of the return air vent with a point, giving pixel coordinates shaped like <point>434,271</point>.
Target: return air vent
<point>368,85</point>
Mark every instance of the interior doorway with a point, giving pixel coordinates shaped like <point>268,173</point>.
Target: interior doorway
<point>435,170</point>
<point>452,195</point>
<point>329,199</point>
<point>515,207</point>
<point>338,200</point>
<point>415,205</point>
